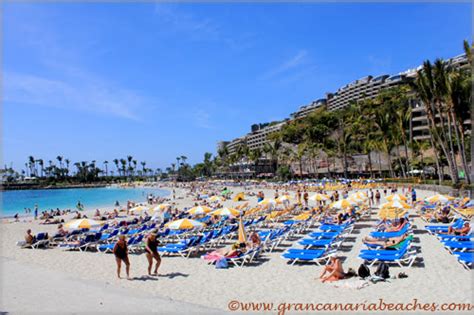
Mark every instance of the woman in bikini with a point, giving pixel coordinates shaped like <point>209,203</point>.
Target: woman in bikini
<point>151,250</point>
<point>333,271</point>
<point>121,254</point>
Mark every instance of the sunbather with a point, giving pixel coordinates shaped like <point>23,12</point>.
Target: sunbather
<point>29,238</point>
<point>121,254</point>
<point>151,249</point>
<point>332,271</point>
<point>397,227</point>
<point>466,228</point>
<point>218,254</point>
<point>384,243</point>
<point>255,240</point>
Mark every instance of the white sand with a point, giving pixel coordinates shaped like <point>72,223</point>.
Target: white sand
<point>438,277</point>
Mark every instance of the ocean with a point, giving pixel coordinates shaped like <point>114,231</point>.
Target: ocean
<point>15,201</point>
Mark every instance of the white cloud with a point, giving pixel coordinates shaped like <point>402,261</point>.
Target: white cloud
<point>202,119</point>
<point>292,63</point>
<point>78,92</point>
<point>183,22</point>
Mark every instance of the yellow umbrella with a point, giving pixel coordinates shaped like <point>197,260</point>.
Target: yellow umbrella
<point>82,224</point>
<point>162,206</point>
<point>184,224</point>
<point>214,198</point>
<point>439,198</point>
<point>392,213</point>
<point>396,197</point>
<point>283,198</point>
<point>239,197</point>
<point>199,210</point>
<point>139,209</point>
<point>342,204</point>
<point>226,212</point>
<point>396,204</point>
<point>319,197</point>
<point>303,216</point>
<point>242,235</point>
<point>267,201</point>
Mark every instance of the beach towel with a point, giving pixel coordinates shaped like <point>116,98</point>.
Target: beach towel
<point>353,283</point>
<point>222,263</point>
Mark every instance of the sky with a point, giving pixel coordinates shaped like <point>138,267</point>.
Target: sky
<point>98,81</point>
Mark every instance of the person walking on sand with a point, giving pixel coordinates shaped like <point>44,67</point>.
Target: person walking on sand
<point>36,212</point>
<point>151,249</point>
<point>121,254</point>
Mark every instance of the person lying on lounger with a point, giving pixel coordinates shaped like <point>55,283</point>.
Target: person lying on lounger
<point>466,228</point>
<point>384,243</point>
<point>397,227</point>
<point>236,250</point>
<point>332,271</point>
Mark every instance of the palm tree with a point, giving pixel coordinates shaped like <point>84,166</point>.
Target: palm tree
<point>60,160</point>
<point>430,88</point>
<point>67,166</point>
<point>143,164</point>
<point>129,159</point>
<point>116,162</point>
<point>177,162</point>
<point>106,169</point>
<point>32,165</point>
<point>41,164</point>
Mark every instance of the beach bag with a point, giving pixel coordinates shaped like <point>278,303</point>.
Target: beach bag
<point>222,263</point>
<point>382,271</point>
<point>363,271</point>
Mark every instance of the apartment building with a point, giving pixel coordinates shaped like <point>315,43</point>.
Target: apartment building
<point>305,110</point>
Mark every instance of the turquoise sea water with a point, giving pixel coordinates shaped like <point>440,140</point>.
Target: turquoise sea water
<point>15,201</point>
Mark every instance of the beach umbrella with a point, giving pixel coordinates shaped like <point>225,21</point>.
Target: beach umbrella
<point>242,235</point>
<point>342,204</point>
<point>199,210</point>
<point>391,213</point>
<point>283,198</point>
<point>139,209</point>
<point>268,201</point>
<point>396,197</point>
<point>303,216</point>
<point>396,204</point>
<point>184,224</point>
<point>226,212</point>
<point>161,207</point>
<point>239,197</point>
<point>319,197</point>
<point>82,224</point>
<point>359,196</point>
<point>214,198</point>
<point>439,198</point>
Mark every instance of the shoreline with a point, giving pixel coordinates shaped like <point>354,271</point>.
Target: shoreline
<point>90,209</point>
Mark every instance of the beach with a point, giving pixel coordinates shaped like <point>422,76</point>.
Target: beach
<point>190,285</point>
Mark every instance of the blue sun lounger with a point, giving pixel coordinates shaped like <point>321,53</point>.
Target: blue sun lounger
<point>398,256</point>
<point>317,256</point>
<point>466,259</point>
<point>377,234</point>
<point>433,229</point>
<point>458,246</point>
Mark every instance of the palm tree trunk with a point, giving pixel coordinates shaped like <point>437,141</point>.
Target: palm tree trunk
<point>388,156</point>
<point>460,144</point>
<point>370,165</point>
<point>380,164</point>
<point>400,161</point>
<point>438,166</point>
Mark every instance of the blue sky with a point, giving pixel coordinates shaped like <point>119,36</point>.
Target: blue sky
<point>102,81</point>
